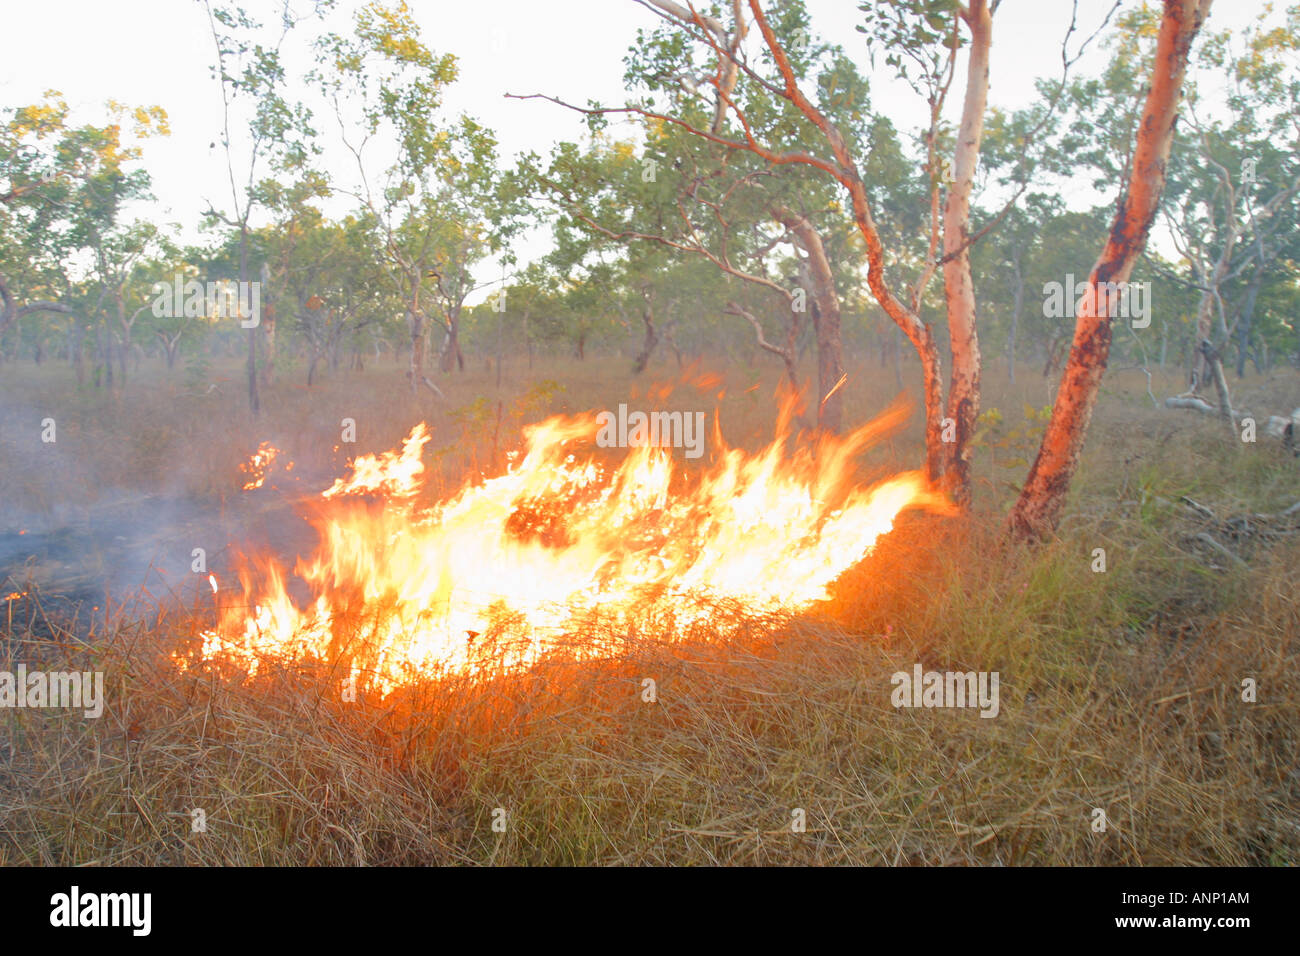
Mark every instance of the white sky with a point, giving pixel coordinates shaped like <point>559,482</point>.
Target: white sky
<point>146,52</point>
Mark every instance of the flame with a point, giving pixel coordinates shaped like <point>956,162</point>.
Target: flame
<point>258,464</point>
<point>397,475</point>
<point>515,566</point>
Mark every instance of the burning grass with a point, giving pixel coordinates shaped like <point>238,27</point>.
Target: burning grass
<point>1120,690</point>
<point>504,572</point>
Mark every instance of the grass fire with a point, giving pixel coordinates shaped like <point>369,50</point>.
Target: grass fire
<point>512,565</point>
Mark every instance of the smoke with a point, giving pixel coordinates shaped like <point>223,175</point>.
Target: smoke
<point>89,545</point>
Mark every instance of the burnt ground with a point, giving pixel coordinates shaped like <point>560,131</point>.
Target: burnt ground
<point>133,553</point>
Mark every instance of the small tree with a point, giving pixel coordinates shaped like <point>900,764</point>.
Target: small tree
<point>280,135</point>
<point>1038,509</point>
<point>433,215</point>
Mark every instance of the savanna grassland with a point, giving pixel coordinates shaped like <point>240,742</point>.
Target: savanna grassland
<point>1121,689</point>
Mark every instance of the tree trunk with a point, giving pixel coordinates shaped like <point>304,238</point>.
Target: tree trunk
<point>79,353</point>
<point>416,321</point>
<point>1210,297</point>
<point>1214,368</point>
<point>959,288</point>
<point>1204,329</point>
<point>8,307</point>
<point>1016,308</point>
<point>1247,318</point>
<point>125,325</point>
<point>826,319</point>
<point>268,329</point>
<point>501,342</point>
<point>670,334</point>
<point>1037,512</point>
<point>919,333</point>
<point>104,337</point>
<point>651,336</point>
<point>254,400</point>
<point>451,356</point>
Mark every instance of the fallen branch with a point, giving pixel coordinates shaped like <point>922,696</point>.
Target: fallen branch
<point>1248,531</point>
<point>1207,540</point>
<point>1285,428</point>
<point>1194,402</point>
<point>1199,508</point>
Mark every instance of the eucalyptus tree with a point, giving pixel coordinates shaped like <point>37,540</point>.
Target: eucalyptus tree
<point>921,38</point>
<point>1234,213</point>
<point>279,137</point>
<point>694,188</point>
<point>116,247</point>
<point>331,276</point>
<point>431,198</point>
<point>774,71</point>
<point>464,237</point>
<point>763,132</point>
<point>1038,509</point>
<point>62,191</point>
<point>296,218</point>
<point>175,328</point>
<point>126,262</point>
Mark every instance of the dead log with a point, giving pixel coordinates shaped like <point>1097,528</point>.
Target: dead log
<point>1285,428</point>
<point>1206,539</point>
<point>1198,404</point>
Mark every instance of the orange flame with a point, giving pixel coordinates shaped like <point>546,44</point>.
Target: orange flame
<point>257,466</point>
<point>515,566</point>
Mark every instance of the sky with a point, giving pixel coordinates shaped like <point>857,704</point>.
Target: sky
<point>147,52</point>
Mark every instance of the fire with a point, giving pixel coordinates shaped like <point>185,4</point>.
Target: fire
<point>257,466</point>
<point>557,551</point>
<point>393,474</point>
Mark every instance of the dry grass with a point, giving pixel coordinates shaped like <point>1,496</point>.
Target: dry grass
<point>1120,690</point>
